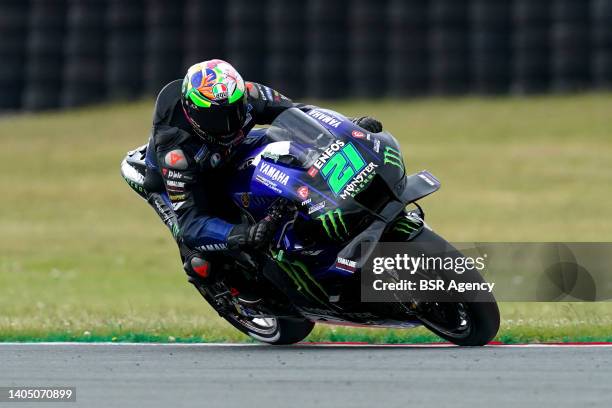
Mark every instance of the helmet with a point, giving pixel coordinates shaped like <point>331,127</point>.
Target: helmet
<point>214,101</point>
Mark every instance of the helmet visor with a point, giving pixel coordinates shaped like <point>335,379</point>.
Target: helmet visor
<point>220,121</point>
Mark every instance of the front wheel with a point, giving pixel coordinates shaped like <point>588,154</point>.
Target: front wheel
<point>462,322</point>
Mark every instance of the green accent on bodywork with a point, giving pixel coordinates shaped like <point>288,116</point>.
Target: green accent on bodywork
<point>331,215</point>
<point>354,157</point>
<point>297,270</point>
<point>338,212</point>
<point>306,273</point>
<point>399,228</point>
<point>393,157</point>
<point>324,222</point>
<point>289,271</point>
<point>407,225</point>
<point>279,256</point>
<point>341,167</point>
<point>332,219</point>
<point>198,99</point>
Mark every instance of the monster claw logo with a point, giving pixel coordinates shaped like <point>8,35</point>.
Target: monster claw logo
<point>407,225</point>
<point>301,277</point>
<point>393,157</point>
<point>333,224</point>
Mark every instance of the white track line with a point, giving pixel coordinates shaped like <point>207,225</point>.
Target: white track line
<point>318,345</point>
<point>108,343</point>
<point>445,345</point>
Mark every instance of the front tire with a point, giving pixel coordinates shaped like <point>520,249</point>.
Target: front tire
<point>463,323</point>
<point>480,324</point>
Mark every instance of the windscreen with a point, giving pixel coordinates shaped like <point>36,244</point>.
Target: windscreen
<point>308,138</point>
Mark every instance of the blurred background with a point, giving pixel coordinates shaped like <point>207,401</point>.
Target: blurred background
<point>507,102</point>
<point>65,53</point>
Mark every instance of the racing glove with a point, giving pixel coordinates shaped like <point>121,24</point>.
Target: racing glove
<point>251,236</point>
<point>368,123</point>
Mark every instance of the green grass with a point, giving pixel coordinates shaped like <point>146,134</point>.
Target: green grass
<point>83,258</point>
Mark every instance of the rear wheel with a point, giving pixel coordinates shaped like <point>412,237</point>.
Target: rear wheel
<point>271,330</point>
<point>240,312</point>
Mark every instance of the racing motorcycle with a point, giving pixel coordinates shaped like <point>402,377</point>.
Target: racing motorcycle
<point>335,191</point>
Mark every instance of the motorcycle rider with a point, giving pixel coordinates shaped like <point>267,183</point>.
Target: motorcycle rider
<point>198,124</point>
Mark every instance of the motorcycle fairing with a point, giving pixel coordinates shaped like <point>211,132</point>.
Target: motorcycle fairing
<point>292,162</point>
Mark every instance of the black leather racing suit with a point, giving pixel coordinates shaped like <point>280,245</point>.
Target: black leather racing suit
<point>190,176</point>
<point>194,173</point>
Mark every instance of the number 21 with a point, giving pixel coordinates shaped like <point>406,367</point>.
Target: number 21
<point>341,167</point>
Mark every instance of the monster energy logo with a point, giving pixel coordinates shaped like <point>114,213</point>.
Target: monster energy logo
<point>333,224</point>
<point>393,157</point>
<point>175,230</point>
<point>407,225</point>
<point>301,277</point>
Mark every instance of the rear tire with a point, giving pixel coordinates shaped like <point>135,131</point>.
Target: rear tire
<point>281,331</point>
<point>272,330</point>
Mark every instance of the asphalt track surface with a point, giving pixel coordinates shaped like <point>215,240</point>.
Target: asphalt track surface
<point>112,375</point>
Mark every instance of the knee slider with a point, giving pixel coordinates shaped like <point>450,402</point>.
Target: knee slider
<point>197,266</point>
